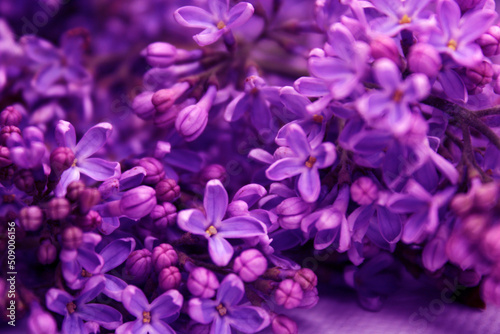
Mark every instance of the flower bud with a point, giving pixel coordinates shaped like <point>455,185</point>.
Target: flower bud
<point>109,188</point>
<point>6,132</point>
<point>5,157</point>
<point>164,256</point>
<point>291,211</point>
<point>486,196</point>
<point>72,237</point>
<point>474,225</point>
<point>41,322</point>
<point>46,252</point>
<point>364,191</point>
<point>202,283</point>
<point>167,190</point>
<point>289,294</point>
<point>309,299</point>
<point>139,265</point>
<point>58,209</point>
<point>423,58</point>
<point>467,4</point>
<point>87,199</point>
<point>31,218</point>
<point>491,243</point>
<point>61,159</point>
<point>164,99</point>
<point>213,172</point>
<point>191,122</point>
<point>164,214</point>
<point>478,76</point>
<point>25,181</point>
<point>160,54</point>
<point>250,265</point>
<point>461,204</point>
<point>169,278</point>
<point>469,278</point>
<point>237,208</point>
<point>138,202</point>
<point>74,190</point>
<point>282,324</point>
<point>489,41</point>
<point>143,106</point>
<point>306,278</point>
<point>154,170</point>
<point>90,221</point>
<point>385,47</point>
<point>10,116</point>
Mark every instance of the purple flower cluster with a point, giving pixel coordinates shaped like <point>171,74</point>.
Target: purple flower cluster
<point>201,166</point>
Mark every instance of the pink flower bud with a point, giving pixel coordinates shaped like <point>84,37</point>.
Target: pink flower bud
<point>364,191</point>
<point>291,211</point>
<point>164,99</point>
<point>164,256</point>
<point>10,116</point>
<point>213,172</point>
<point>74,190</point>
<point>138,202</point>
<point>46,252</point>
<point>289,294</point>
<point>250,265</point>
<point>40,321</point>
<point>61,159</point>
<point>5,157</point>
<point>385,47</point>
<point>6,132</point>
<point>237,208</point>
<point>306,278</point>
<point>90,221</point>
<point>489,41</point>
<point>167,190</point>
<point>169,278</point>
<point>202,283</point>
<point>424,58</point>
<point>154,170</point>
<point>282,324</point>
<point>25,181</point>
<point>143,106</point>
<point>164,214</point>
<point>160,54</point>
<point>31,218</point>
<point>72,237</point>
<point>139,265</point>
<point>58,209</point>
<point>87,199</point>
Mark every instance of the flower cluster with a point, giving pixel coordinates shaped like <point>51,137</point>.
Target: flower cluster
<point>199,166</point>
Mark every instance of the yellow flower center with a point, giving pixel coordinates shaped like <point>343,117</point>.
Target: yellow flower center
<point>71,307</point>
<point>85,273</point>
<point>146,317</point>
<point>452,44</point>
<point>317,118</point>
<point>398,95</point>
<point>221,25</point>
<point>405,19</point>
<point>211,231</point>
<point>310,162</point>
<point>74,163</point>
<point>222,310</point>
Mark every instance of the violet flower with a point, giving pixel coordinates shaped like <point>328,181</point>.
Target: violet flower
<point>93,140</point>
<point>216,23</point>
<point>214,227</point>
<point>27,151</point>
<point>306,162</point>
<point>224,312</point>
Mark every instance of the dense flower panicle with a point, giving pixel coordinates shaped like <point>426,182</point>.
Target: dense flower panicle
<point>361,134</point>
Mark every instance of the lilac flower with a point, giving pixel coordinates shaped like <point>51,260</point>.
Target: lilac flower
<point>216,23</point>
<point>389,109</point>
<point>224,312</point>
<point>29,150</point>
<point>214,227</point>
<point>76,310</point>
<point>93,140</point>
<point>456,34</point>
<point>151,318</point>
<point>306,162</point>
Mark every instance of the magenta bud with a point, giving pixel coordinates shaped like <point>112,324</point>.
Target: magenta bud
<point>467,4</point>
<point>5,157</point>
<point>30,218</point>
<point>61,159</point>
<point>213,172</point>
<point>461,204</point>
<point>164,256</point>
<point>72,237</point>
<point>143,106</point>
<point>202,283</point>
<point>486,196</point>
<point>58,208</point>
<point>139,265</point>
<point>169,278</point>
<point>25,181</point>
<point>46,252</point>
<point>167,190</point>
<point>424,58</point>
<point>41,322</point>
<point>479,75</point>
<point>469,278</point>
<point>306,278</point>
<point>364,191</point>
<point>6,132</point>
<point>291,211</point>
<point>191,122</point>
<point>87,199</point>
<point>10,116</point>
<point>237,208</point>
<point>164,99</point>
<point>288,294</point>
<point>90,221</point>
<point>475,224</point>
<point>282,324</point>
<point>160,54</point>
<point>138,202</point>
<point>109,188</point>
<point>385,47</point>
<point>154,170</point>
<point>74,190</point>
<point>164,214</point>
<point>489,41</point>
<point>491,243</point>
<point>250,265</point>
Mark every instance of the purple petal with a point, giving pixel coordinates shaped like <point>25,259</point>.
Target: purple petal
<point>184,159</point>
<point>239,14</point>
<point>134,300</point>
<point>448,16</point>
<point>219,8</point>
<point>325,155</point>
<point>208,36</point>
<point>68,176</point>
<point>57,300</point>
<point>90,260</point>
<point>309,185</point>
<point>294,102</point>
<point>261,155</point>
<point>195,17</point>
<point>285,168</point>
<point>387,74</point>
<point>453,85</point>
<point>329,68</point>
<point>342,41</point>
<point>231,290</point>
<point>311,87</point>
<point>434,254</point>
<point>475,24</point>
<point>161,327</point>
<point>65,134</point>
<point>241,227</point>
<point>215,201</point>
<point>39,50</point>
<point>116,252</point>
<point>297,140</point>
<point>417,87</point>
<point>104,315</point>
<point>250,194</point>
<point>324,238</point>
<point>192,220</point>
<point>99,169</point>
<point>114,287</point>
<point>93,140</point>
<point>415,227</point>
<point>92,289</point>
<point>261,114</point>
<point>220,250</point>
<point>167,304</point>
<point>202,310</point>
<point>220,326</point>
<point>73,324</point>
<point>389,224</point>
<point>237,107</point>
<point>248,319</point>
